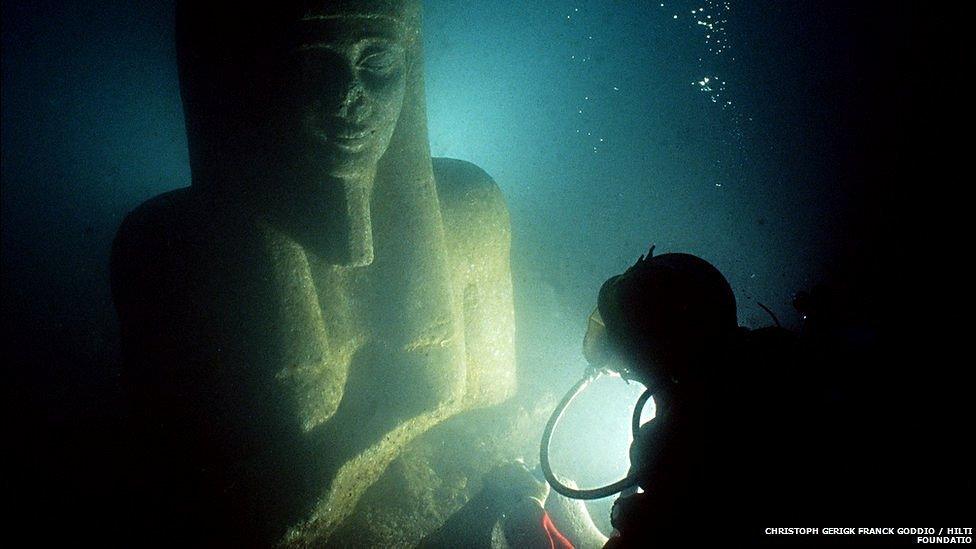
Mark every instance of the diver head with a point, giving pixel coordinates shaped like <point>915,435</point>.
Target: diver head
<point>663,315</point>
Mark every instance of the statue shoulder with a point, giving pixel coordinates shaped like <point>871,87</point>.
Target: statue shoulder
<point>478,238</point>
<point>472,205</point>
<point>151,238</point>
<point>152,226</point>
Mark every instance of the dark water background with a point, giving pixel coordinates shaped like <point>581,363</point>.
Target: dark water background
<point>833,165</point>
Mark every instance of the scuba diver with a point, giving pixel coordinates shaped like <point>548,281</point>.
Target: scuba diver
<point>732,409</point>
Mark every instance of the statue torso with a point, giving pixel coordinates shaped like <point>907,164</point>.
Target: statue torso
<point>241,333</point>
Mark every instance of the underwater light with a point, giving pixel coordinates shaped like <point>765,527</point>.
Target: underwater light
<point>638,417</point>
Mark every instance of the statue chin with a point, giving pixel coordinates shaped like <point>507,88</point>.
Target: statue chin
<point>336,226</point>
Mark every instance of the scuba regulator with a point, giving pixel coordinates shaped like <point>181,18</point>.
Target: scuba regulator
<point>658,312</point>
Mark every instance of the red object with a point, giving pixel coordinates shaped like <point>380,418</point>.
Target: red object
<point>556,539</point>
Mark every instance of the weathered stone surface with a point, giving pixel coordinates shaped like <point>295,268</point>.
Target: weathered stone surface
<point>322,295</point>
<point>440,473</point>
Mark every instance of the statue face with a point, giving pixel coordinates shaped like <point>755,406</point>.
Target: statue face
<point>344,85</point>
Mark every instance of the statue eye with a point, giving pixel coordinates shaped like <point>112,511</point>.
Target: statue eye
<point>382,61</point>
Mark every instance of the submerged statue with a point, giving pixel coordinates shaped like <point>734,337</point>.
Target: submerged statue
<point>321,295</point>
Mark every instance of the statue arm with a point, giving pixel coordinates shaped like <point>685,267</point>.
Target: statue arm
<point>163,332</point>
<point>148,347</point>
<point>478,232</point>
<point>132,276</point>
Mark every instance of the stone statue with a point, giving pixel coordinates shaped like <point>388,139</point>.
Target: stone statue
<point>321,295</point>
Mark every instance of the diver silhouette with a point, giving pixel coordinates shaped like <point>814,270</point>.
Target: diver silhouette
<point>734,406</point>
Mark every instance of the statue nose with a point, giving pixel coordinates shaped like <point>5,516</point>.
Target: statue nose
<point>352,102</point>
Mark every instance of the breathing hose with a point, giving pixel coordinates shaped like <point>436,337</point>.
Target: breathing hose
<point>590,493</point>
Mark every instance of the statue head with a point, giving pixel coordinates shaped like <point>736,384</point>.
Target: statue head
<point>290,109</point>
<point>342,82</point>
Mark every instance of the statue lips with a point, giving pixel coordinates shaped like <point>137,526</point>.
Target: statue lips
<point>346,137</point>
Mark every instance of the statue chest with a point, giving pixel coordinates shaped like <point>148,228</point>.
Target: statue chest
<point>320,323</point>
<point>316,336</point>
